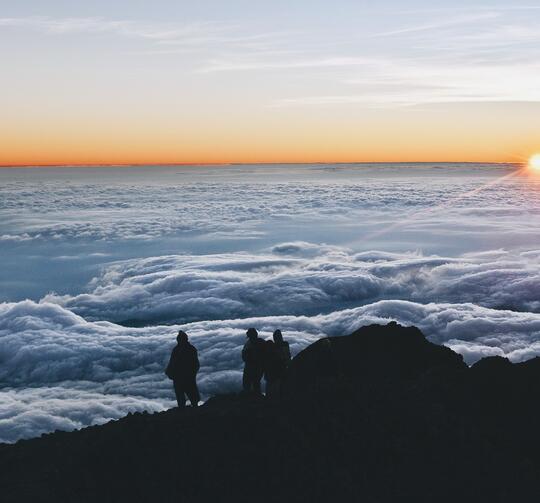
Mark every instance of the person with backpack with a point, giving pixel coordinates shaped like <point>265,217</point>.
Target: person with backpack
<point>253,357</point>
<point>277,359</point>
<point>182,369</point>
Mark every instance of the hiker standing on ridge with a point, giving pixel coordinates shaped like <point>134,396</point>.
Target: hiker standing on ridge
<point>253,356</point>
<point>182,369</point>
<point>283,348</point>
<point>277,360</point>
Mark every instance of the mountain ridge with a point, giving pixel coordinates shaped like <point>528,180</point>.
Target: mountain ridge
<point>381,415</point>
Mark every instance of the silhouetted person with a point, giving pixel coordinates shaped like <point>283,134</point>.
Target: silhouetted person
<point>182,369</point>
<point>277,359</point>
<point>253,356</point>
<point>273,369</point>
<point>283,348</point>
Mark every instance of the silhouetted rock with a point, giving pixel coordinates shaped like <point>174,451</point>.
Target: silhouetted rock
<point>380,416</point>
<point>496,365</point>
<point>530,368</point>
<point>372,358</point>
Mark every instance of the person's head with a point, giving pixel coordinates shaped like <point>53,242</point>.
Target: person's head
<point>252,334</point>
<point>182,337</point>
<point>278,336</point>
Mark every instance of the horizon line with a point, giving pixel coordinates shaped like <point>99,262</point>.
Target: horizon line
<point>164,164</point>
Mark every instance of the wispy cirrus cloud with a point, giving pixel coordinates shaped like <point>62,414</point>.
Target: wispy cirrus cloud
<point>407,83</point>
<point>280,64</point>
<point>101,25</point>
<point>170,35</point>
<point>464,56</point>
<point>469,9</point>
<point>446,23</point>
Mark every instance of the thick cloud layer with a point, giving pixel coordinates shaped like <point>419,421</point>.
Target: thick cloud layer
<point>26,413</point>
<point>61,371</point>
<point>298,278</point>
<point>219,249</point>
<point>149,204</point>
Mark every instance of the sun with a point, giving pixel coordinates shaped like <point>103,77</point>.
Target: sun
<point>534,163</point>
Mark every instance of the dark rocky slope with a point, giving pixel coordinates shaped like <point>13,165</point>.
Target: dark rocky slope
<point>379,416</point>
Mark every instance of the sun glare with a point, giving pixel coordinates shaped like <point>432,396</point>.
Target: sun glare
<point>534,163</point>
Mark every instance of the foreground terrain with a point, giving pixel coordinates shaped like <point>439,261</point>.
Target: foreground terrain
<point>381,415</point>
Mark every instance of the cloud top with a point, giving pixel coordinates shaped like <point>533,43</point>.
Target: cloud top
<point>301,278</point>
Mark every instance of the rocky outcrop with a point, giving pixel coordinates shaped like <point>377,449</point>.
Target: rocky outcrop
<point>382,415</point>
<point>372,359</point>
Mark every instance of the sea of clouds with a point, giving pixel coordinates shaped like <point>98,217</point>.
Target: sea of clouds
<point>239,201</point>
<point>113,265</point>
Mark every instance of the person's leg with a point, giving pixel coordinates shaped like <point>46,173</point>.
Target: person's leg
<point>257,376</point>
<point>246,380</point>
<point>193,393</point>
<point>179,392</point>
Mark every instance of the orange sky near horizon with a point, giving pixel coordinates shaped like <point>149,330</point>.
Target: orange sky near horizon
<point>449,133</point>
<point>373,85</point>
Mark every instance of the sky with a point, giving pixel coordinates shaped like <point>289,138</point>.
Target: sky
<point>114,82</point>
